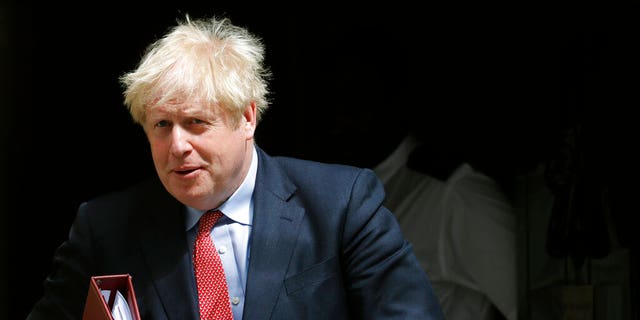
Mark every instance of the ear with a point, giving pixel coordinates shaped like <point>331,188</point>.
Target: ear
<point>250,120</point>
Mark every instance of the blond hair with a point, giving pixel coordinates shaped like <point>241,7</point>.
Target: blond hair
<point>208,61</point>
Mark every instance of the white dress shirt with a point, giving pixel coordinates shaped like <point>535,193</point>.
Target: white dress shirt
<point>231,236</point>
<point>463,233</point>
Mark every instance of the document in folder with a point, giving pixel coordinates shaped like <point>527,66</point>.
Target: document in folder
<point>111,297</point>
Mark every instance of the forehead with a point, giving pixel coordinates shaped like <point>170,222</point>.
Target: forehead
<point>183,108</point>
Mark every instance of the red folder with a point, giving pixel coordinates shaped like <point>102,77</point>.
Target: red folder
<point>98,308</point>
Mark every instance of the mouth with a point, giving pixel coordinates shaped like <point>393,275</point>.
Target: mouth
<point>184,171</point>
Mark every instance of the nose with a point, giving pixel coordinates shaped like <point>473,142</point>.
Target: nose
<point>180,142</point>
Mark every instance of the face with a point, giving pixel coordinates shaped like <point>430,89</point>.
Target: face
<point>200,154</point>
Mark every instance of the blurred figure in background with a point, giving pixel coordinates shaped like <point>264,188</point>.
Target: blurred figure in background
<point>461,223</point>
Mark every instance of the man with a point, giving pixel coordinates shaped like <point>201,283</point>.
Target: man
<point>297,239</point>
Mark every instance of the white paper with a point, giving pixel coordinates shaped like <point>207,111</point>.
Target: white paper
<point>120,309</point>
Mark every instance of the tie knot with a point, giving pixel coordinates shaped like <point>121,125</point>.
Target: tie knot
<point>208,220</point>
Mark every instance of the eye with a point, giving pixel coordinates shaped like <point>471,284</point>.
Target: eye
<point>197,121</point>
<point>162,124</point>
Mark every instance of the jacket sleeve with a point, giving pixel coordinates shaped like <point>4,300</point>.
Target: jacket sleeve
<point>385,279</point>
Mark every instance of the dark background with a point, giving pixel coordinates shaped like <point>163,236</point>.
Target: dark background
<point>505,79</point>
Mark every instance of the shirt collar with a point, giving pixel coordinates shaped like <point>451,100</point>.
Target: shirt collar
<point>397,159</point>
<point>239,206</point>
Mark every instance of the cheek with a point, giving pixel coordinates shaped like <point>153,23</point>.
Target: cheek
<point>158,150</point>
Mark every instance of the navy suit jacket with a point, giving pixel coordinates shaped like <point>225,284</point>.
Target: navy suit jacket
<point>322,247</point>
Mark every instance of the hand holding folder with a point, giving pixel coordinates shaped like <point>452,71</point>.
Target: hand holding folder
<point>111,297</point>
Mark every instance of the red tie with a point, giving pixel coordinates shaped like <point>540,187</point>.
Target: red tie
<point>213,294</point>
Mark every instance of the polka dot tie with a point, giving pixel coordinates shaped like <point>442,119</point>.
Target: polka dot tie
<point>213,294</point>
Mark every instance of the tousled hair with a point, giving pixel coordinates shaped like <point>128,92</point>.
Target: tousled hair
<point>205,61</point>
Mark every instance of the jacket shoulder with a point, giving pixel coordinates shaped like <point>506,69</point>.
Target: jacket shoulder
<point>147,195</point>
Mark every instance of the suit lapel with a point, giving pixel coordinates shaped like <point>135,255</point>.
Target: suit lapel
<point>168,259</point>
<point>275,227</point>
